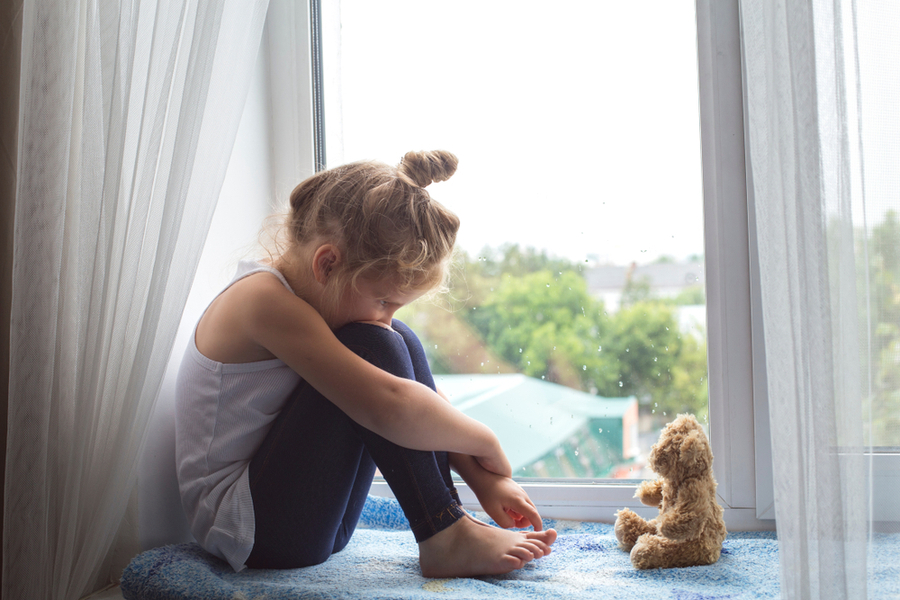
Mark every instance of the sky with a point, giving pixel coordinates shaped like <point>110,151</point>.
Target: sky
<point>577,129</point>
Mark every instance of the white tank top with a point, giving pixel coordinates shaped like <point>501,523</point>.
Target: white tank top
<point>223,413</point>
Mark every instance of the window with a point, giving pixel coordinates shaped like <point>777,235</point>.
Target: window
<point>546,107</point>
<point>575,326</point>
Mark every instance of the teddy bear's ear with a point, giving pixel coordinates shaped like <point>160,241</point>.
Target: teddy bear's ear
<point>695,455</point>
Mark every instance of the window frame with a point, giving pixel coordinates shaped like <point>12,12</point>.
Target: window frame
<point>738,415</point>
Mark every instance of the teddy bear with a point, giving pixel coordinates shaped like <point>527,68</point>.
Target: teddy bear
<point>690,527</point>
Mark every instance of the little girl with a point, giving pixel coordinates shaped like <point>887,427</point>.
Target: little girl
<point>298,383</point>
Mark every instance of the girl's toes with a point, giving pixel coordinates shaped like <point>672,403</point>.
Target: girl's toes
<point>535,550</point>
<point>523,554</point>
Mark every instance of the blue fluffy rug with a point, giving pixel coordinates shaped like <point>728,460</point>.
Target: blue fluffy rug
<point>381,563</point>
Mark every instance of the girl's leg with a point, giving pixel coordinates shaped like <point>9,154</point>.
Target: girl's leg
<point>422,374</point>
<point>310,478</point>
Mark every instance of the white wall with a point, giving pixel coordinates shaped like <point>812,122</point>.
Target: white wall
<point>243,204</point>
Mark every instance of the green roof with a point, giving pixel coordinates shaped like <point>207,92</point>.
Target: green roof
<point>533,418</point>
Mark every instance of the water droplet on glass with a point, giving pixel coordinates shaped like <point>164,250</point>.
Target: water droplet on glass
<point>620,384</point>
<point>600,430</point>
<point>584,367</point>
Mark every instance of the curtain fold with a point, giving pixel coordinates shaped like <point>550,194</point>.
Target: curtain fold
<point>807,149</point>
<point>127,116</point>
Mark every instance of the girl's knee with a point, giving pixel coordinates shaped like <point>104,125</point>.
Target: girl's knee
<point>383,347</point>
<point>364,333</point>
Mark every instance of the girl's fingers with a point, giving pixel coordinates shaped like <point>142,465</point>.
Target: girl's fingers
<point>504,519</point>
<point>529,513</point>
<point>519,520</point>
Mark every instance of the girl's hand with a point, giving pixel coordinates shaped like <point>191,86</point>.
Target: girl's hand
<point>500,497</point>
<point>506,502</point>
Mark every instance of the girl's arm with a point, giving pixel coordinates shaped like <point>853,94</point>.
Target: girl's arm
<point>500,497</point>
<point>403,411</point>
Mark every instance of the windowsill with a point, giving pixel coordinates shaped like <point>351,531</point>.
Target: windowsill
<point>595,502</point>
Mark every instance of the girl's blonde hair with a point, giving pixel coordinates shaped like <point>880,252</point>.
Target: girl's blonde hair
<point>381,218</point>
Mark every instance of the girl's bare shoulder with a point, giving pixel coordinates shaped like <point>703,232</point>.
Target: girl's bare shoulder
<point>226,332</point>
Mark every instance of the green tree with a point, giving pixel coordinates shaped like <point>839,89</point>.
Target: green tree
<point>547,324</point>
<point>514,260</point>
<point>654,361</point>
<point>535,313</point>
<point>636,290</point>
<point>690,296</point>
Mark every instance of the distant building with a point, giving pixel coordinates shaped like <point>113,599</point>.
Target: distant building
<point>666,280</point>
<point>549,430</point>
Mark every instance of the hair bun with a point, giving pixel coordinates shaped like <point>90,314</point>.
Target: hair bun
<point>424,168</point>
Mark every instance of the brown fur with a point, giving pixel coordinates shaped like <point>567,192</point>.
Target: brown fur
<point>690,527</point>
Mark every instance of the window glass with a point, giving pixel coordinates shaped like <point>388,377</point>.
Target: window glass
<point>878,225</point>
<point>575,322</point>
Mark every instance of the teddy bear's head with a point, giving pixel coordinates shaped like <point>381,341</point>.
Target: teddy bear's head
<point>682,450</point>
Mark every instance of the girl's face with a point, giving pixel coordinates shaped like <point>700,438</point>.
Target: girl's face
<point>373,301</point>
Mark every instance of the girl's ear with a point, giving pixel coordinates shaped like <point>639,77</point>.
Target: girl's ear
<point>325,259</point>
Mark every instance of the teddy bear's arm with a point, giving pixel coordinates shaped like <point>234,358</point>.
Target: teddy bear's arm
<point>650,492</point>
<point>684,518</point>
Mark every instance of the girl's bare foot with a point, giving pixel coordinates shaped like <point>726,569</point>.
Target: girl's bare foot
<point>470,548</point>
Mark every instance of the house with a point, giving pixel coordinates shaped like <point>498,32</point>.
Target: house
<point>664,279</point>
<point>549,430</point>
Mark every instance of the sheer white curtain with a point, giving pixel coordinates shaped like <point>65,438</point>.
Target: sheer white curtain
<point>127,115</point>
<point>807,149</point>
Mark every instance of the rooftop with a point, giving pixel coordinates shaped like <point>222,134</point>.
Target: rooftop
<point>659,275</point>
<point>535,418</point>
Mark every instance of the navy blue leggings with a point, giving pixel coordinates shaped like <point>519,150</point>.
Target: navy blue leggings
<point>310,478</point>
